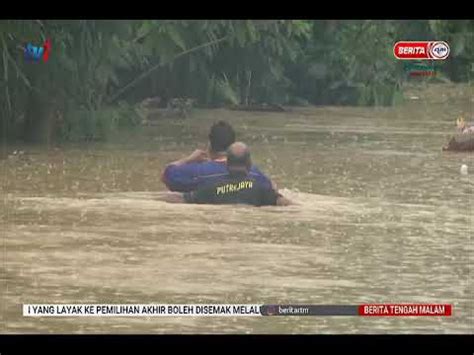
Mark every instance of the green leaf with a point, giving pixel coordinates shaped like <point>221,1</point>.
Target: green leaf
<point>240,34</point>
<point>177,38</point>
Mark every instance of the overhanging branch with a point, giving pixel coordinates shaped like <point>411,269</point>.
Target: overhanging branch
<point>152,69</point>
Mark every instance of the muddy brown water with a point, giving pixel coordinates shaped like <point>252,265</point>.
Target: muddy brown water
<point>383,216</point>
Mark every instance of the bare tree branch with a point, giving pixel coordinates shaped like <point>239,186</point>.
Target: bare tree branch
<point>152,69</point>
<point>20,73</point>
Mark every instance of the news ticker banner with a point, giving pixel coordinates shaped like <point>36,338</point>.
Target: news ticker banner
<point>233,310</point>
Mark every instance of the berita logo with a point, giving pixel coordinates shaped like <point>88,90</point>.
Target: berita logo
<point>428,50</point>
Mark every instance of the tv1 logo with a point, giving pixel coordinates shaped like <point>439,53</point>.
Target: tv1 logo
<point>427,50</point>
<point>35,53</point>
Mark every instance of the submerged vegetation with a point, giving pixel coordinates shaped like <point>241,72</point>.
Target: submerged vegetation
<point>98,70</point>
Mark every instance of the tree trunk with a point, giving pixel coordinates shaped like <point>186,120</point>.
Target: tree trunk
<point>39,120</point>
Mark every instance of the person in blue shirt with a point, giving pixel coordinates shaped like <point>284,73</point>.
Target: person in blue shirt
<point>206,167</point>
<point>236,187</point>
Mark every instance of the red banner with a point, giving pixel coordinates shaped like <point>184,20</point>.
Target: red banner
<point>403,310</point>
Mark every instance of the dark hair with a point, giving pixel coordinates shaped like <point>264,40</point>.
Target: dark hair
<point>221,136</point>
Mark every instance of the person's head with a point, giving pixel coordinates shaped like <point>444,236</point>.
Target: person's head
<point>221,136</point>
<point>238,159</point>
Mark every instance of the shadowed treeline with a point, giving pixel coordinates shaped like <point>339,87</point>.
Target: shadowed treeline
<point>98,70</point>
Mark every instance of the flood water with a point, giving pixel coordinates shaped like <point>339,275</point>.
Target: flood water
<point>383,216</point>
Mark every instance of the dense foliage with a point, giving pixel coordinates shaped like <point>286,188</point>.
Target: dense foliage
<point>98,69</point>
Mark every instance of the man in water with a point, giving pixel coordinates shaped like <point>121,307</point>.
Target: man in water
<point>237,186</point>
<point>464,127</point>
<point>205,167</point>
